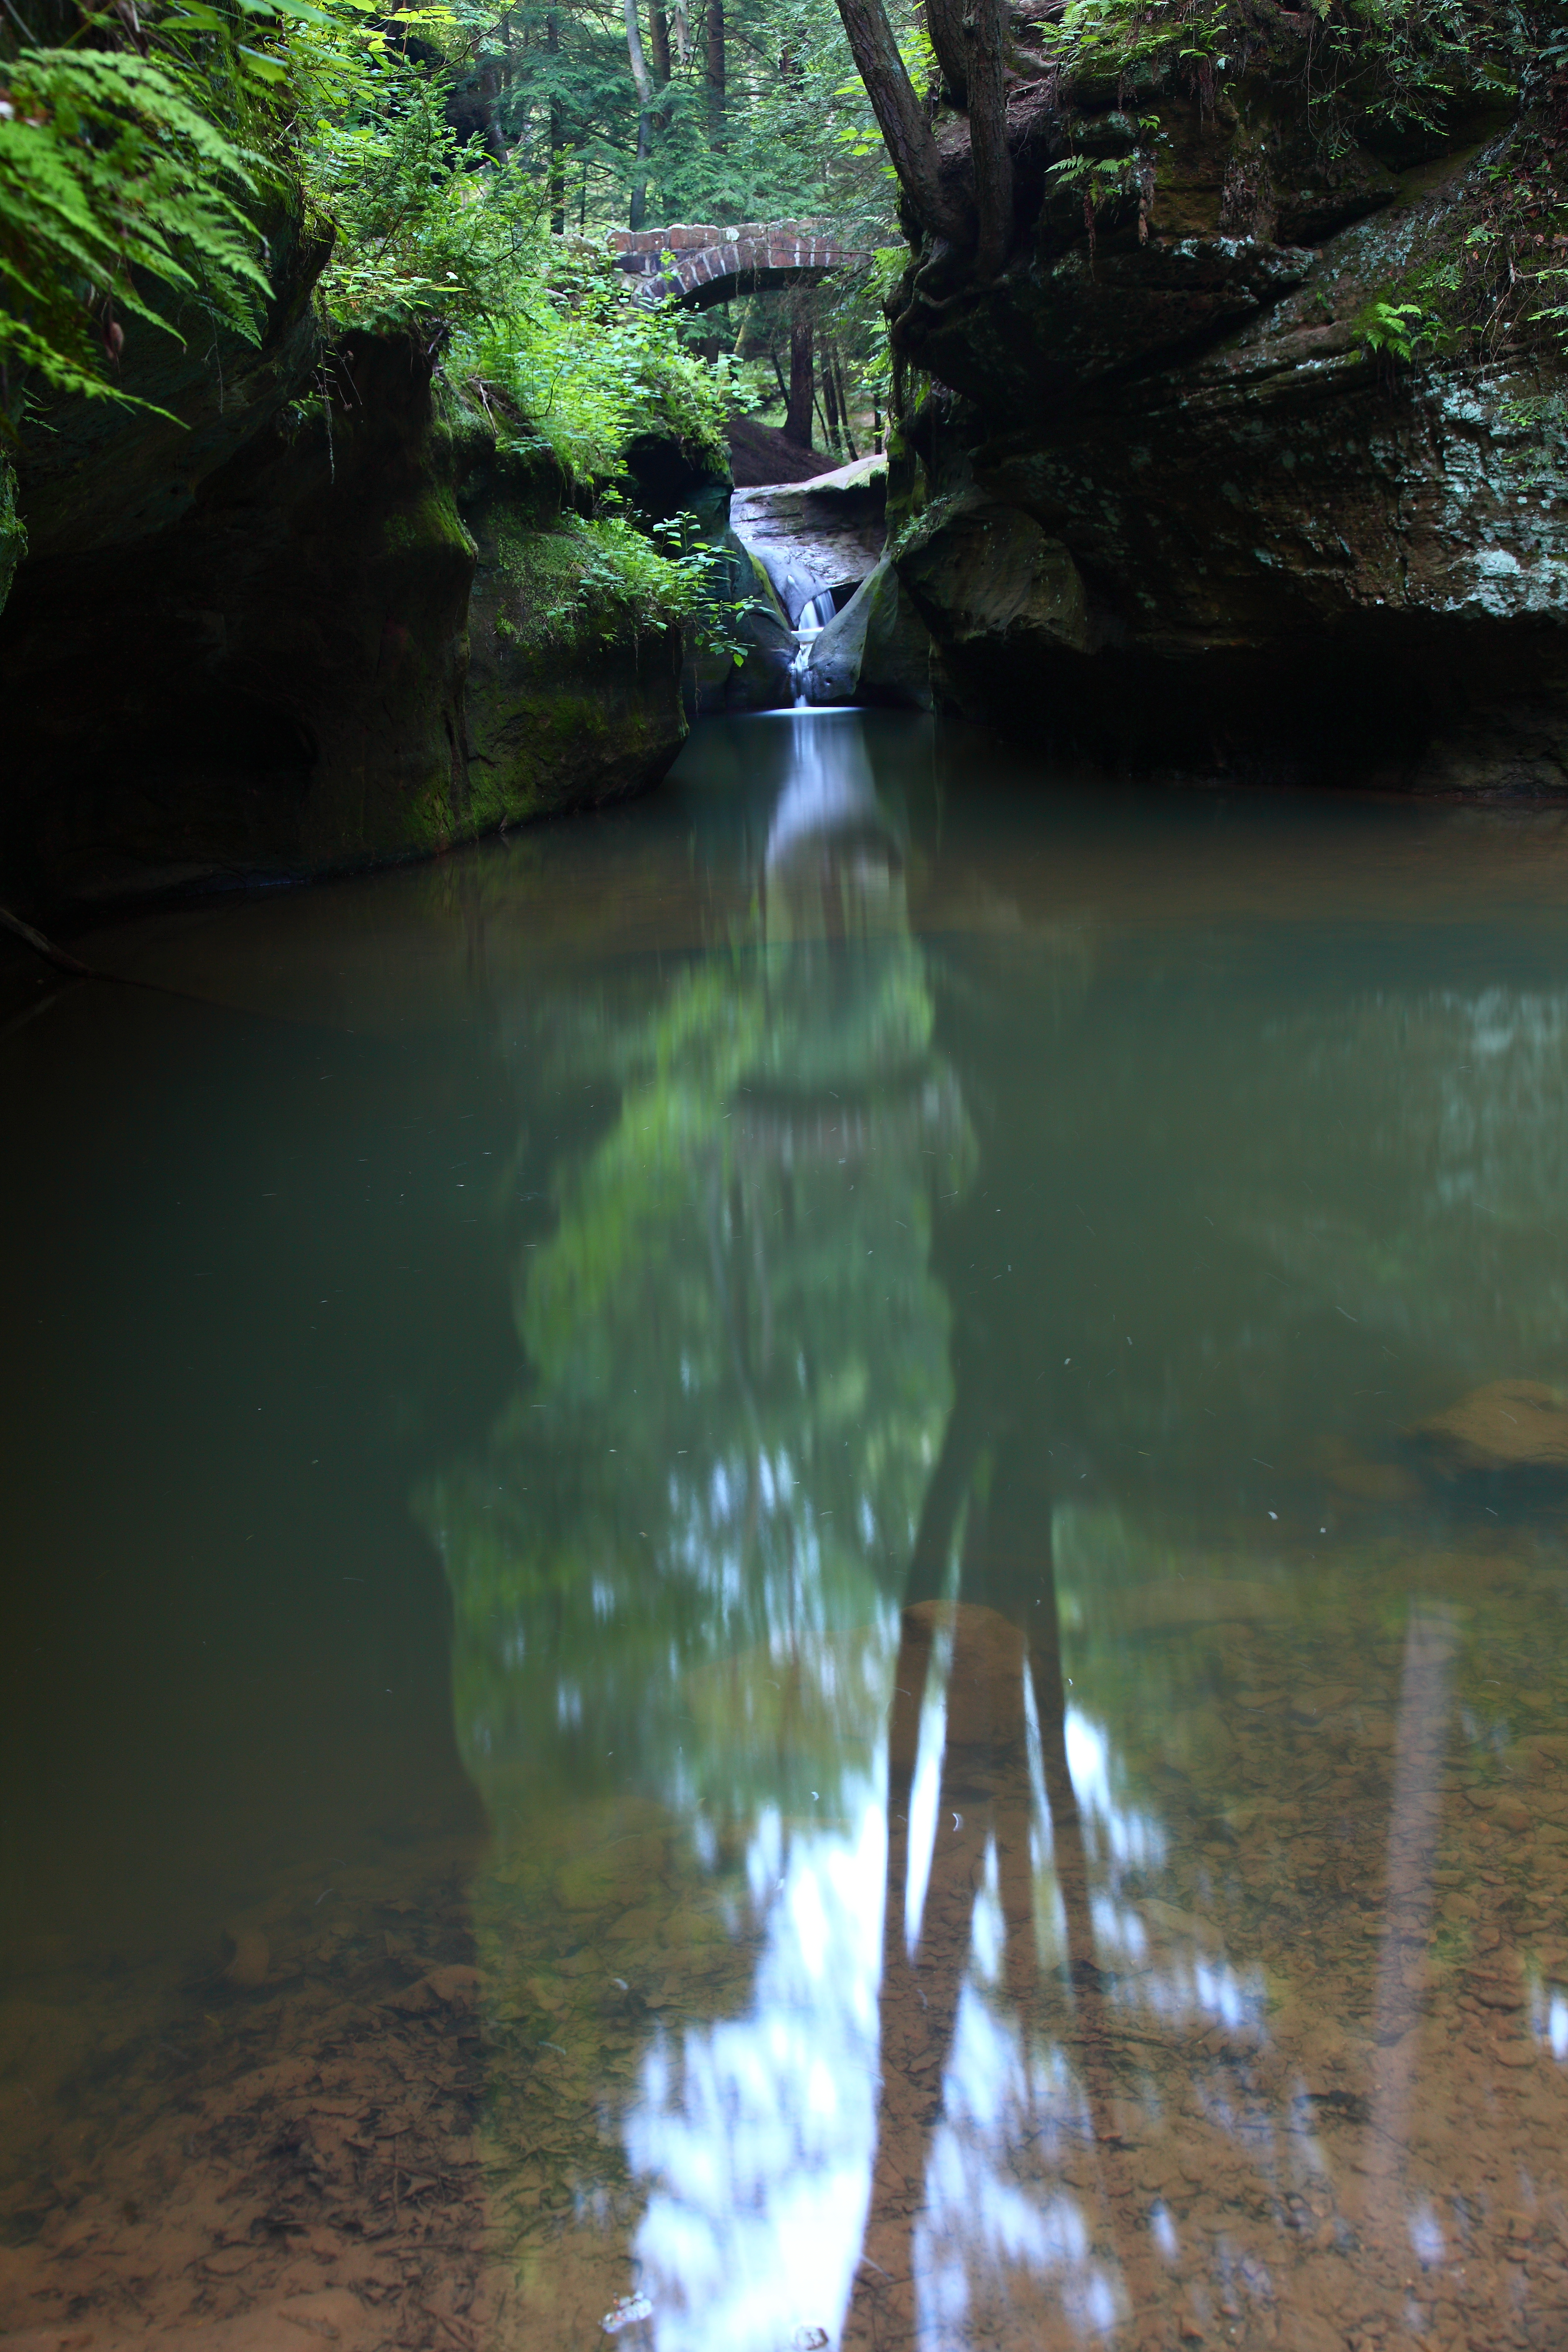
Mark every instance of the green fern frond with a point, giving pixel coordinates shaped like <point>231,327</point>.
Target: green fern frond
<point>111,170</point>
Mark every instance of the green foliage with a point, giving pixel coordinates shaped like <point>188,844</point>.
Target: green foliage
<point>13,531</point>
<point>422,236</point>
<point>795,133</point>
<point>1394,64</point>
<point>595,579</point>
<point>600,579</point>
<point>112,165</point>
<point>587,369</point>
<point>1389,329</point>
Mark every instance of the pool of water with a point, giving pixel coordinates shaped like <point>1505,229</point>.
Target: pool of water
<point>790,1569</point>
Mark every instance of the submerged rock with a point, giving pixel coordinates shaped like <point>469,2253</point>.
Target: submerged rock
<point>249,1957</point>
<point>1508,1425</point>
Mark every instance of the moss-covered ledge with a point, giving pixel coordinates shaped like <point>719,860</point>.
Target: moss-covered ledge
<point>369,628</point>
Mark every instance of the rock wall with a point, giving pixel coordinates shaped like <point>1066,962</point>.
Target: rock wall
<point>1160,501</point>
<point>267,635</point>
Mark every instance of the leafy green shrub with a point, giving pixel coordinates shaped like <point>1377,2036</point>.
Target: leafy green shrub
<point>590,368</point>
<point>1389,329</point>
<point>423,237</point>
<point>597,579</point>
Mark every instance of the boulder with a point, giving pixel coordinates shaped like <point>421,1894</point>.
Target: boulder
<point>268,682</point>
<point>1508,1425</point>
<point>557,713</point>
<point>874,649</point>
<point>983,575</point>
<point>1310,554</point>
<point>280,630</point>
<point>754,622</point>
<point>817,536</point>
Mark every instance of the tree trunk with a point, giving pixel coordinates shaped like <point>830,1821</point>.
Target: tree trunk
<point>988,136</point>
<point>907,134</point>
<point>967,38</point>
<point>830,400</point>
<point>636,211</point>
<point>843,403</point>
<point>658,31</point>
<point>713,73</point>
<point>555,175</point>
<point>797,414</point>
<point>647,96</point>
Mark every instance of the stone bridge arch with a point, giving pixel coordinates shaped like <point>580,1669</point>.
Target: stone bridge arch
<point>699,264</point>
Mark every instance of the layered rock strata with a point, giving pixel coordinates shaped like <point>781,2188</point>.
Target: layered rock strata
<point>1167,491</point>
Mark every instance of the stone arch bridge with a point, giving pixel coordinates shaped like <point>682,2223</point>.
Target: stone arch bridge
<point>700,265</point>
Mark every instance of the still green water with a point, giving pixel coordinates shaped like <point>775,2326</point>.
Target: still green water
<point>731,1603</point>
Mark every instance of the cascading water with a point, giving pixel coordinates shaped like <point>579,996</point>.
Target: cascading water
<point>813,618</point>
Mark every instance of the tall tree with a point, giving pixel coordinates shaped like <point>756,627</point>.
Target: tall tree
<point>647,102</point>
<point>714,73</point>
<point>967,38</point>
<point>555,181</point>
<point>908,136</point>
<point>797,414</point>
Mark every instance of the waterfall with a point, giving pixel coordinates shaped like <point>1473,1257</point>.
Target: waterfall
<point>815,616</point>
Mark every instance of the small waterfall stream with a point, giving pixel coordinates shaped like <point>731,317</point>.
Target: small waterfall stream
<point>813,618</point>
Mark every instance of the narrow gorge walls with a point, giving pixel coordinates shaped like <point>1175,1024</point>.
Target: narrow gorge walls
<point>1247,453</point>
<point>316,616</point>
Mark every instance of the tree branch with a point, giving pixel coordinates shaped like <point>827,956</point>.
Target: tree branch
<point>905,131</point>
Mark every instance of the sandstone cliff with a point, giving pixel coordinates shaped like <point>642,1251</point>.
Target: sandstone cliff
<point>1249,454</point>
<point>306,618</point>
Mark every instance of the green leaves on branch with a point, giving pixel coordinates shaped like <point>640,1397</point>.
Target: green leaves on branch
<point>423,237</point>
<point>590,368</point>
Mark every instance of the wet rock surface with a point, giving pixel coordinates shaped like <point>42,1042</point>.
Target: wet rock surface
<point>1300,561</point>
<point>876,649</point>
<point>821,535</point>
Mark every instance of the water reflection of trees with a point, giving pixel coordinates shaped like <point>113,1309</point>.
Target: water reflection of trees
<point>817,1343</point>
<point>739,1356</point>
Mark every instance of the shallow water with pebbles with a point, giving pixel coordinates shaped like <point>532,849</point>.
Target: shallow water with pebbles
<point>773,1584</point>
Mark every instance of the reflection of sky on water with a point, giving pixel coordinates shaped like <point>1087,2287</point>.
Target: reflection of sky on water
<point>757,2131</point>
<point>979,2217</point>
<point>756,2134</point>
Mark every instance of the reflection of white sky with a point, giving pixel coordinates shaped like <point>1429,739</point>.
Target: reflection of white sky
<point>755,2134</point>
<point>757,2131</point>
<point>1187,1984</point>
<point>977,2215</point>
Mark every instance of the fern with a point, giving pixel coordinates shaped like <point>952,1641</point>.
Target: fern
<point>113,180</point>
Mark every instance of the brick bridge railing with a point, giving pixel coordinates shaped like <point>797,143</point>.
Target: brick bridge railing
<point>708,265</point>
